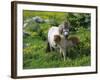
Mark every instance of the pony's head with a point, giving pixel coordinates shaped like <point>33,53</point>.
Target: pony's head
<point>64,28</point>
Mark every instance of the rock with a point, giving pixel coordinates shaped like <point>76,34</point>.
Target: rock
<point>47,20</point>
<point>38,19</point>
<point>25,24</point>
<point>25,34</point>
<point>25,45</point>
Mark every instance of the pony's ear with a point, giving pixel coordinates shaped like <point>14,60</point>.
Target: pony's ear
<point>60,29</point>
<point>67,24</point>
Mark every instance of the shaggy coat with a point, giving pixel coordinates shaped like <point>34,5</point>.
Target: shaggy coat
<point>64,43</point>
<point>57,38</point>
<point>52,37</point>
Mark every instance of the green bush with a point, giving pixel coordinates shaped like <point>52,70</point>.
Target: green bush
<point>78,20</point>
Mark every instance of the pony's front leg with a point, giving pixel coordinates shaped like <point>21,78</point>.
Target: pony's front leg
<point>64,54</point>
<point>61,53</point>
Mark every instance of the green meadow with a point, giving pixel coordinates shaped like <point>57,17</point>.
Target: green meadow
<point>35,40</point>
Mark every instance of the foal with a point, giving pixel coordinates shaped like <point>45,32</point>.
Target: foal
<point>63,43</point>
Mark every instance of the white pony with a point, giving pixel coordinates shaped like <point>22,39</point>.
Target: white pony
<point>57,38</point>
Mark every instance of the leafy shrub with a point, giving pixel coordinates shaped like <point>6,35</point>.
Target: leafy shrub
<point>78,20</point>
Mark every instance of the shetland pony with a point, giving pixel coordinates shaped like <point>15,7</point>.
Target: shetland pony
<point>57,38</point>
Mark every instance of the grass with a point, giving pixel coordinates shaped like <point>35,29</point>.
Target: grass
<point>34,55</point>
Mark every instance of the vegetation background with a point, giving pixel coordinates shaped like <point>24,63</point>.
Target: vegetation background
<point>35,28</point>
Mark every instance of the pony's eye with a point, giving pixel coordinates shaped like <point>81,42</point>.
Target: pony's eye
<point>65,30</point>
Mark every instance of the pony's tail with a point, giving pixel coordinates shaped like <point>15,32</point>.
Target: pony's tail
<point>48,47</point>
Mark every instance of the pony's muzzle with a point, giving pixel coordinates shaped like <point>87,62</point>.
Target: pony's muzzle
<point>66,34</point>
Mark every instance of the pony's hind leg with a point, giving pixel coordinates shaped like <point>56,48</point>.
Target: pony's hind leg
<point>48,47</point>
